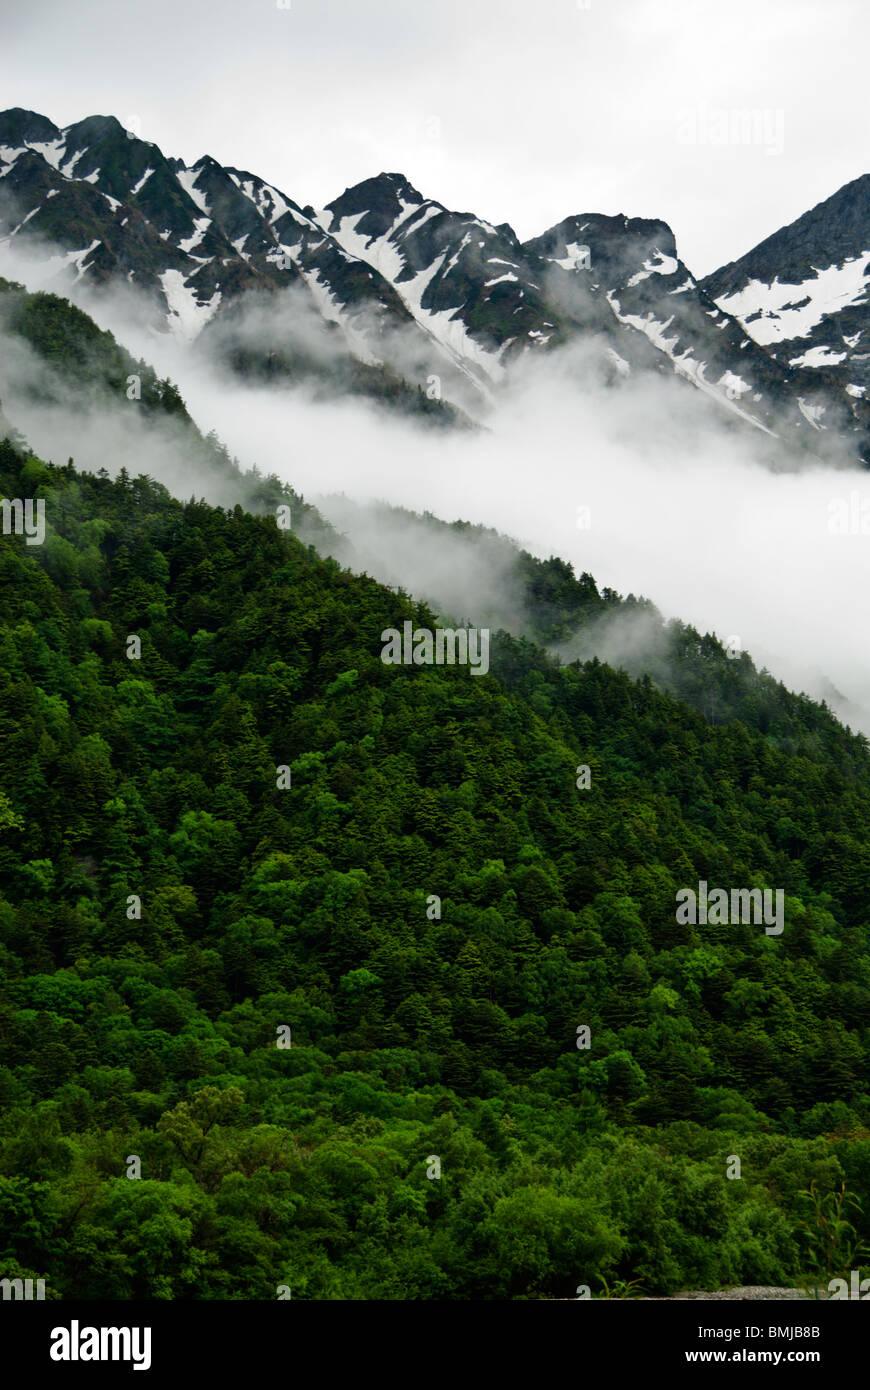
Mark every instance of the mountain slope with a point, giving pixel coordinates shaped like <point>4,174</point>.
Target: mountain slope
<point>462,570</point>
<point>651,291</point>
<point>169,907</point>
<point>477,570</point>
<point>195,240</point>
<point>802,292</point>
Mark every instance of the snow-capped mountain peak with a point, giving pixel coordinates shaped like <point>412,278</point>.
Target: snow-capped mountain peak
<point>400,282</point>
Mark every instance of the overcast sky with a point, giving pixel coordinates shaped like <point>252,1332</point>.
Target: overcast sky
<point>523,111</point>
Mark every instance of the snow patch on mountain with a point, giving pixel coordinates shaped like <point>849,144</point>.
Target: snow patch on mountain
<point>187,316</point>
<point>733,385</point>
<point>819,356</point>
<point>272,206</point>
<point>663,265</point>
<point>384,255</point>
<point>777,312</point>
<point>622,367</point>
<point>68,169</point>
<point>333,312</point>
<point>189,243</point>
<point>375,251</point>
<point>445,325</point>
<point>685,364</point>
<point>187,178</point>
<point>811,413</point>
<point>25,220</point>
<point>649,325</point>
<point>574,257</point>
<point>79,258</point>
<point>140,184</point>
<point>51,150</point>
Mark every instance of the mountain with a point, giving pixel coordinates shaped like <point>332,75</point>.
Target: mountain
<point>472,569</point>
<point>196,241</point>
<point>801,294</point>
<point>463,570</point>
<point>653,293</point>
<point>392,281</point>
<point>55,358</point>
<point>299,950</point>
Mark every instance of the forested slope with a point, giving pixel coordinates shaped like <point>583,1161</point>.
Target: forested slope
<point>309,907</point>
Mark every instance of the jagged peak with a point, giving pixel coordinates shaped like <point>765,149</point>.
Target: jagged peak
<point>377,192</point>
<point>21,127</point>
<point>824,231</point>
<point>92,128</point>
<point>585,226</point>
<point>208,161</point>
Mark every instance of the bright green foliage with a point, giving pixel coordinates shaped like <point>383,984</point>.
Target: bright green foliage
<point>414,1036</point>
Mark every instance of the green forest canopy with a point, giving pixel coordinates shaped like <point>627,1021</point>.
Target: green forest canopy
<point>308,908</point>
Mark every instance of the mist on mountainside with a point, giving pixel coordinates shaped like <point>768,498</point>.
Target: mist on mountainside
<point>634,479</point>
